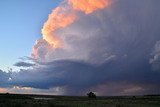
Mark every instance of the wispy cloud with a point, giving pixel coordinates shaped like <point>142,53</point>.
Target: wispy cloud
<point>24,64</point>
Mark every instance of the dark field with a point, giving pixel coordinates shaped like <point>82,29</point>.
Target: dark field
<point>14,100</point>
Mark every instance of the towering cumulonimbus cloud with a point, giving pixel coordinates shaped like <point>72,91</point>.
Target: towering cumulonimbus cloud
<point>40,49</point>
<point>61,17</point>
<point>111,51</point>
<point>88,6</point>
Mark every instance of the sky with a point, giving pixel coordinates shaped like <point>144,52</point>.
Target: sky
<point>71,47</point>
<point>21,23</point>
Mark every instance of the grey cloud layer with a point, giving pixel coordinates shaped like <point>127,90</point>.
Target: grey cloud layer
<point>23,64</point>
<point>78,77</point>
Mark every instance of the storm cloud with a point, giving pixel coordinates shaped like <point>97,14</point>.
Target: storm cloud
<point>77,78</point>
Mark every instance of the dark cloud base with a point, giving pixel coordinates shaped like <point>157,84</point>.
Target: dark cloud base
<point>23,64</point>
<point>80,77</point>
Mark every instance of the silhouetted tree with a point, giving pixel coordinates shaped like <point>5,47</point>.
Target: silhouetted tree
<point>91,95</point>
<point>7,93</point>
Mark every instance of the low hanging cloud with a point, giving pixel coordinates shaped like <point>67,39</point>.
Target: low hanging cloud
<point>24,64</point>
<point>4,78</point>
<point>112,51</point>
<point>76,78</point>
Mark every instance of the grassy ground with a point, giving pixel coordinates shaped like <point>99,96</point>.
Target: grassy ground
<point>8,100</point>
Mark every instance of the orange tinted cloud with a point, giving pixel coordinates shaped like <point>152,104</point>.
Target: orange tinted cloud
<point>56,20</point>
<point>2,90</point>
<point>88,6</point>
<point>61,17</point>
<point>64,16</point>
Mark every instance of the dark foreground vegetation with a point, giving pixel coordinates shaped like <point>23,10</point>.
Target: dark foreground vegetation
<point>15,100</point>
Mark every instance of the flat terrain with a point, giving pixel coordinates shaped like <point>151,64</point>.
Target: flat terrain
<point>15,100</point>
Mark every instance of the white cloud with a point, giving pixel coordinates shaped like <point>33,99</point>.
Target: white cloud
<point>155,61</point>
